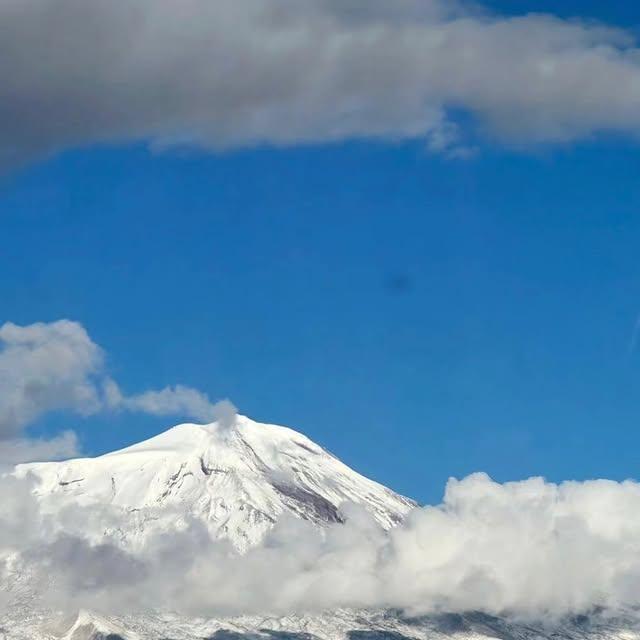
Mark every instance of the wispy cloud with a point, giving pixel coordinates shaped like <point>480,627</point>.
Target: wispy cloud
<point>178,400</point>
<point>286,72</point>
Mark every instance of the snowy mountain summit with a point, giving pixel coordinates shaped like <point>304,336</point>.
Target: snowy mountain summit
<point>237,476</point>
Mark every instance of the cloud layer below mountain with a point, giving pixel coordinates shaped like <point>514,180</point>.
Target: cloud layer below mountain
<point>531,548</point>
<point>284,72</point>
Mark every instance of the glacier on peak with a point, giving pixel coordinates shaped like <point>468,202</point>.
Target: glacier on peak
<point>236,477</point>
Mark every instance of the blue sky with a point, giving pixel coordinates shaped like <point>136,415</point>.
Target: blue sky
<point>617,12</point>
<point>421,316</point>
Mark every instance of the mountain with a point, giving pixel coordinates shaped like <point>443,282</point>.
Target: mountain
<point>343,624</point>
<point>237,478</point>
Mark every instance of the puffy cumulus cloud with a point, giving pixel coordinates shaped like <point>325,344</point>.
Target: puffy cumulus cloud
<point>47,367</point>
<point>282,72</point>
<point>531,549</point>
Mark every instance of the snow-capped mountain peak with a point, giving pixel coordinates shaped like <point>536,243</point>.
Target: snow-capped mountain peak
<point>237,476</point>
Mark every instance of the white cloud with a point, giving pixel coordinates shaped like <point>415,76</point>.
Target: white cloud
<point>530,548</point>
<point>220,74</point>
<point>48,367</point>
<point>60,447</point>
<point>43,368</point>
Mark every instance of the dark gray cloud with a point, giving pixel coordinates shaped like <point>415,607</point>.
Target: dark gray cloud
<point>221,74</point>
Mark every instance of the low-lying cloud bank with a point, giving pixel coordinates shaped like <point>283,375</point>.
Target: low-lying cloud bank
<point>283,72</point>
<point>56,366</point>
<point>531,548</point>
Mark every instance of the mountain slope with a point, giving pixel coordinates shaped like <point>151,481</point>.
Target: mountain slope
<point>237,478</point>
